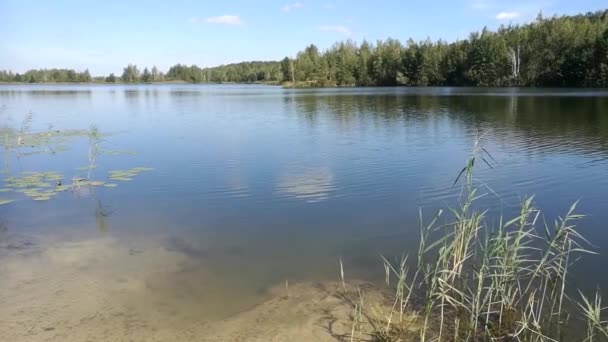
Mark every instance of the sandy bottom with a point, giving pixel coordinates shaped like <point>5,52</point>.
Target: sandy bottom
<point>102,289</point>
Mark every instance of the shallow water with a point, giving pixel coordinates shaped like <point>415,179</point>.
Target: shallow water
<point>255,185</point>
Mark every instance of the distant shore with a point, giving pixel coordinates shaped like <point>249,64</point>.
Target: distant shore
<point>286,85</point>
<point>132,83</point>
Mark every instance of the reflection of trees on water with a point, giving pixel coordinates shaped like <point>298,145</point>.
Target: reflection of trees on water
<point>568,122</point>
<point>40,93</point>
<point>147,93</point>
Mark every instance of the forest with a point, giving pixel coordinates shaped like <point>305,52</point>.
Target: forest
<point>559,51</point>
<point>45,75</point>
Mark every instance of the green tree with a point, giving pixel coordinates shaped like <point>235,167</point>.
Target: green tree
<point>386,62</point>
<point>130,74</point>
<point>111,78</point>
<point>286,69</point>
<point>555,51</point>
<point>487,59</point>
<point>84,76</point>
<point>364,56</point>
<point>146,76</point>
<point>600,61</point>
<point>155,74</point>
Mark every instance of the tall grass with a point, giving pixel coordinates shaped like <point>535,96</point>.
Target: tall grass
<point>478,282</point>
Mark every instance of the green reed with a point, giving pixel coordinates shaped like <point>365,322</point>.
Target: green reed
<point>592,311</point>
<point>479,282</point>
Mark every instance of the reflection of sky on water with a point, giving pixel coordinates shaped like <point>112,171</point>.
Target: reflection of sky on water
<point>237,186</point>
<point>240,166</point>
<point>311,185</point>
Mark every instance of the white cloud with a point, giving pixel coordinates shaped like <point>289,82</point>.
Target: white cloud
<point>508,15</point>
<point>225,20</point>
<point>292,6</point>
<point>335,28</point>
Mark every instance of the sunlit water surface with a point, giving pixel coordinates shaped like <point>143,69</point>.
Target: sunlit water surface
<point>255,185</point>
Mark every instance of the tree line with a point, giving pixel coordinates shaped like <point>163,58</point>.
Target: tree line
<point>46,75</point>
<point>556,51</point>
<point>245,72</point>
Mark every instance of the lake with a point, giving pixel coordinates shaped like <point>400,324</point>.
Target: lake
<point>248,186</point>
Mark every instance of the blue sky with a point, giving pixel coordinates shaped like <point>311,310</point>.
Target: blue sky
<point>106,35</point>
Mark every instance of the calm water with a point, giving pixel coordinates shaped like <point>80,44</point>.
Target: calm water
<point>254,185</point>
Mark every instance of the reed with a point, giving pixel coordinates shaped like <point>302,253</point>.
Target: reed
<point>592,311</point>
<point>478,282</point>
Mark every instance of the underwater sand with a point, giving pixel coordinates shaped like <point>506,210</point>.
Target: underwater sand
<point>102,289</point>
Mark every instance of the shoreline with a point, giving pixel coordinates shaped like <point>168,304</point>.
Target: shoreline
<point>286,85</point>
<point>135,83</point>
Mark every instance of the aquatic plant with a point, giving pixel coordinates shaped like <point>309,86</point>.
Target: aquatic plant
<point>116,152</point>
<point>475,282</point>
<point>592,310</point>
<point>42,186</point>
<point>127,175</point>
<point>24,143</point>
<point>4,201</point>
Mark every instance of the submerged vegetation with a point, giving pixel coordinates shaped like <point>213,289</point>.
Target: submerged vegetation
<point>474,281</point>
<point>43,186</point>
<point>39,186</point>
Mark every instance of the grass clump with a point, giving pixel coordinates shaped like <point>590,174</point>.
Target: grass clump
<point>477,282</point>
